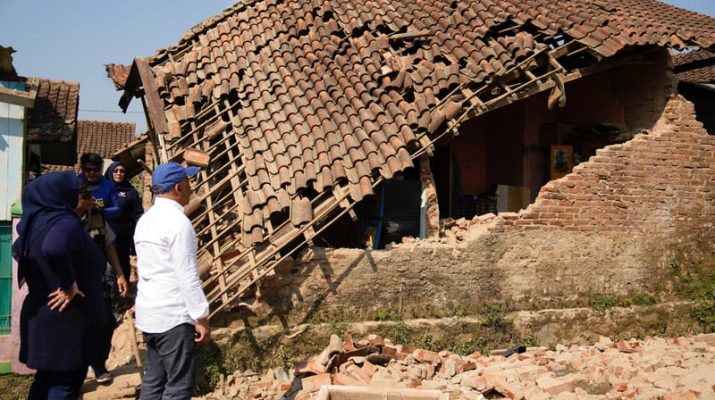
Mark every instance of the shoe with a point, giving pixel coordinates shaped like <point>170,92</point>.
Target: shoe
<point>104,378</point>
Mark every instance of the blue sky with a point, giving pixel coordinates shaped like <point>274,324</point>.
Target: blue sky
<point>72,40</point>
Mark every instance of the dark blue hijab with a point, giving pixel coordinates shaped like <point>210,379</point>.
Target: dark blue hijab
<point>45,199</point>
<point>125,185</point>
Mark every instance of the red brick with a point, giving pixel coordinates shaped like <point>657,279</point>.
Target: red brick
<point>426,356</point>
<point>196,157</point>
<point>315,382</point>
<point>389,350</point>
<point>555,386</point>
<point>345,380</point>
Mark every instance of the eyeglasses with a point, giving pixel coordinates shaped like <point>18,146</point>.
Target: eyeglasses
<point>119,171</point>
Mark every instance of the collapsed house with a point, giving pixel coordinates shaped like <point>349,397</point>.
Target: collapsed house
<point>357,123</point>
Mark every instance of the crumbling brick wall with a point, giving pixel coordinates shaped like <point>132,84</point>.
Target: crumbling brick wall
<point>643,89</point>
<point>651,184</point>
<point>607,228</point>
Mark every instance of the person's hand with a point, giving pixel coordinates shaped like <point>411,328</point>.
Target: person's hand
<point>203,333</point>
<point>60,299</point>
<point>122,285</point>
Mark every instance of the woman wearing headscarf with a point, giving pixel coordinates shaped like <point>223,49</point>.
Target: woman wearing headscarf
<point>61,316</point>
<point>130,205</point>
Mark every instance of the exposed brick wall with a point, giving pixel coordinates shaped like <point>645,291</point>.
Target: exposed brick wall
<point>654,183</point>
<point>643,89</point>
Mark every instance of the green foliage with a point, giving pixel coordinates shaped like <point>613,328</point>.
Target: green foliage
<point>427,342</point>
<point>530,341</point>
<point>700,286</point>
<point>642,299</point>
<point>602,303</point>
<point>493,317</point>
<point>385,314</point>
<point>400,333</point>
<point>210,368</point>
<point>705,315</point>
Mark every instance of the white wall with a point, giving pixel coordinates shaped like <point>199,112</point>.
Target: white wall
<point>12,120</point>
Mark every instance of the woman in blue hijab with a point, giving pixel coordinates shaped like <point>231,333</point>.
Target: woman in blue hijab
<point>62,314</point>
<point>130,209</point>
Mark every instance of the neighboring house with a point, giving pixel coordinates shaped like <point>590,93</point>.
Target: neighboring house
<point>101,137</point>
<point>37,123</point>
<point>52,124</point>
<point>298,111</point>
<point>696,82</point>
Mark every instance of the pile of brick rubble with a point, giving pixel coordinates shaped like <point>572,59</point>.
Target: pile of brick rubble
<point>655,368</point>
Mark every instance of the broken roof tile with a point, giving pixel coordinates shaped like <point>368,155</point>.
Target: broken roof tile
<point>328,91</point>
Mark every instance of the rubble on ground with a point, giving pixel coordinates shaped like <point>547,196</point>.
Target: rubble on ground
<point>654,368</point>
<point>461,230</point>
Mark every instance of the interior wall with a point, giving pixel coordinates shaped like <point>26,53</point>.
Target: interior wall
<point>510,146</point>
<point>704,100</point>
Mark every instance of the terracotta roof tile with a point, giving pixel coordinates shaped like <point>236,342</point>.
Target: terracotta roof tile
<point>315,93</point>
<point>103,137</point>
<point>118,74</point>
<point>54,117</point>
<point>696,66</point>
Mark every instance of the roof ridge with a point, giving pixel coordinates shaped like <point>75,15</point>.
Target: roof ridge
<point>60,81</point>
<point>105,122</point>
<point>202,27</point>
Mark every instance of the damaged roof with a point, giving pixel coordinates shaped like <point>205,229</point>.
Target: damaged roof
<point>118,73</point>
<point>696,66</point>
<point>54,116</point>
<point>299,106</point>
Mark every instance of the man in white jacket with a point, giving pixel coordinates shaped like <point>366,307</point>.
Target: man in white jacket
<point>171,308</point>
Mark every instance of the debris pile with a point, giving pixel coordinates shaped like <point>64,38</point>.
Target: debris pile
<point>655,368</point>
<point>456,231</point>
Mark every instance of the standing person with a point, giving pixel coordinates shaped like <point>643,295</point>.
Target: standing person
<point>106,199</point>
<point>106,206</point>
<point>130,209</point>
<point>104,238</point>
<point>171,308</point>
<point>59,262</point>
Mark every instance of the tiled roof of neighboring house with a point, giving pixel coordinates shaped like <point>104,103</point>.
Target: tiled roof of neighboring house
<point>101,137</point>
<point>118,74</point>
<point>54,117</point>
<point>302,103</point>
<point>697,66</point>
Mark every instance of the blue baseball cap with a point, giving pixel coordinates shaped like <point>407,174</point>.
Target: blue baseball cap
<point>166,175</point>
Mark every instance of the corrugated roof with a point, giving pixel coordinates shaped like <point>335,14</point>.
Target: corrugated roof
<point>54,117</point>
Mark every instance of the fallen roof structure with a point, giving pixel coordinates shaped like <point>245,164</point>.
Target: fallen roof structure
<point>297,110</point>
